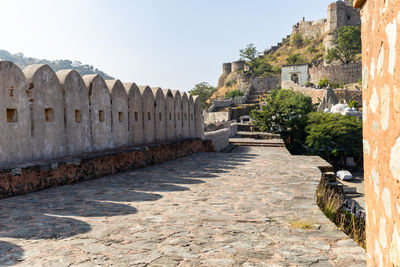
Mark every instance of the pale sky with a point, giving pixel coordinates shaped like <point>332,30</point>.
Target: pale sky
<point>168,43</point>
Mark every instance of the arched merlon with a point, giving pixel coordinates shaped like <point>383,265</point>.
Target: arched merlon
<point>199,121</point>
<point>135,106</point>
<point>15,123</point>
<point>148,114</point>
<point>76,109</point>
<point>100,112</point>
<point>119,113</point>
<point>192,126</point>
<point>185,116</point>
<point>169,115</point>
<point>178,113</point>
<point>159,109</point>
<point>47,112</point>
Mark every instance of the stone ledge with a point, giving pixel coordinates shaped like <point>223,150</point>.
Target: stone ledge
<point>27,177</point>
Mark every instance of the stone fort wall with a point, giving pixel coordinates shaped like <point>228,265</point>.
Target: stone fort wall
<point>381,129</point>
<point>350,73</point>
<point>48,115</point>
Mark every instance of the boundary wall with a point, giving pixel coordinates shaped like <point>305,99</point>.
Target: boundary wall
<point>49,115</point>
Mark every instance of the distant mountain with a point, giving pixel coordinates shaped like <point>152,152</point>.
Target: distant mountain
<point>22,61</point>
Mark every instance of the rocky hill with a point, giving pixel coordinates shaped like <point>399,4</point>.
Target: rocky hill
<point>22,61</point>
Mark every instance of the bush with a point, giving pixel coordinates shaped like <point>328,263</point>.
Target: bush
<point>353,104</point>
<point>230,83</point>
<point>297,40</point>
<point>323,83</point>
<point>329,135</point>
<point>295,59</point>
<point>234,94</point>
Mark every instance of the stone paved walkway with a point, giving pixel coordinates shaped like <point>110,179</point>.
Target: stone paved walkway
<point>243,208</point>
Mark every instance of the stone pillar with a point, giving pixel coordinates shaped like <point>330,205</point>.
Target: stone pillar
<point>381,129</point>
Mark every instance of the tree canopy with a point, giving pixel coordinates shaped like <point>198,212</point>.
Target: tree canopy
<point>330,133</point>
<point>204,91</point>
<point>348,45</point>
<point>249,53</point>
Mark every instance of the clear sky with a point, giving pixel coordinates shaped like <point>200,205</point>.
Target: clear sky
<point>168,43</point>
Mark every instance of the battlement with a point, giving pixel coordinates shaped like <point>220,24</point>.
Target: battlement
<point>49,115</point>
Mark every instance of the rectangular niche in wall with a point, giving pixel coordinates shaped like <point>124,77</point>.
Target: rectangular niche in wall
<point>149,116</point>
<point>101,115</point>
<point>120,116</point>
<point>170,117</point>
<point>136,116</point>
<point>160,116</point>
<point>78,117</point>
<point>12,115</point>
<point>49,114</point>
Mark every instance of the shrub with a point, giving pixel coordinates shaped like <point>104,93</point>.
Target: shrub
<point>297,40</point>
<point>323,83</point>
<point>230,83</point>
<point>353,104</point>
<point>332,134</point>
<point>309,84</point>
<point>295,59</point>
<point>234,94</point>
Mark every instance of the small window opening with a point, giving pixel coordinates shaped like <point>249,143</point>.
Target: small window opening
<point>78,117</point>
<point>149,116</point>
<point>179,117</point>
<point>170,116</point>
<point>136,116</point>
<point>120,116</point>
<point>185,117</point>
<point>49,114</point>
<point>160,116</point>
<point>12,115</point>
<point>101,115</point>
<point>191,116</point>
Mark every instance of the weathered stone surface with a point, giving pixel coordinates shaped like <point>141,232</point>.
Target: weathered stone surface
<point>135,113</point>
<point>77,117</point>
<point>210,209</point>
<point>47,112</point>
<point>119,113</point>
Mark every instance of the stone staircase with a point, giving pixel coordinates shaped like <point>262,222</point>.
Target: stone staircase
<point>256,97</point>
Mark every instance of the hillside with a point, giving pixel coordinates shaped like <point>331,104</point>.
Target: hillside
<point>22,61</point>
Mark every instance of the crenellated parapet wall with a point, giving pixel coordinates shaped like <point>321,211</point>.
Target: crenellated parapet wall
<point>48,115</point>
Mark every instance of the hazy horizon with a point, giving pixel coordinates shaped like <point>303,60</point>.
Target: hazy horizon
<point>172,44</point>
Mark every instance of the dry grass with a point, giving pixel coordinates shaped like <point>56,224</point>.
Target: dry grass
<point>302,224</point>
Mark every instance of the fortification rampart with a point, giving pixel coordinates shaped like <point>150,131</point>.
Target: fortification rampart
<point>48,115</point>
<point>350,73</point>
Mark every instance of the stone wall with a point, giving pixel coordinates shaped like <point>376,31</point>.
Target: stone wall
<point>220,138</point>
<point>47,115</point>
<point>212,117</point>
<point>381,129</point>
<point>265,84</point>
<point>29,177</point>
<point>346,74</point>
<point>317,94</point>
<point>310,29</point>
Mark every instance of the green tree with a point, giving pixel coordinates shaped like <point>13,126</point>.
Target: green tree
<point>234,93</point>
<point>348,45</point>
<point>285,113</point>
<point>249,53</point>
<point>295,59</point>
<point>261,68</point>
<point>204,91</point>
<point>328,134</point>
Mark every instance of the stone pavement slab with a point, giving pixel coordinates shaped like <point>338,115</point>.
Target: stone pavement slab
<point>254,206</point>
